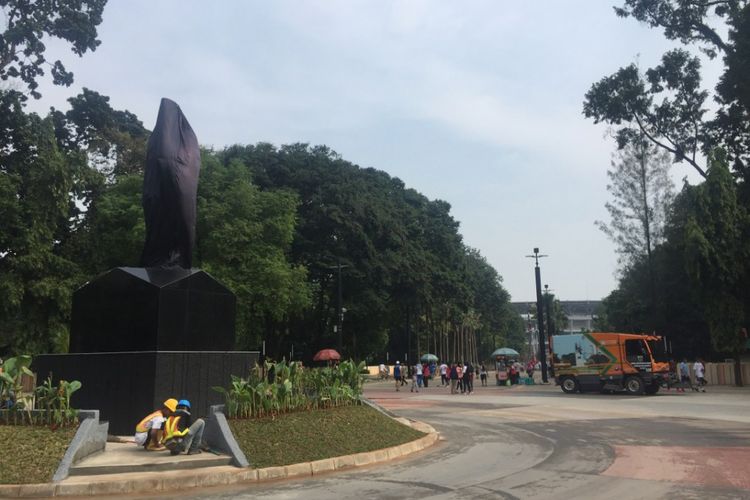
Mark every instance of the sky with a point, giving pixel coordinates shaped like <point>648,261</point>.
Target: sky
<point>477,103</point>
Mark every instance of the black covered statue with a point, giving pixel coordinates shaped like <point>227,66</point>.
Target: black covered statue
<point>170,188</point>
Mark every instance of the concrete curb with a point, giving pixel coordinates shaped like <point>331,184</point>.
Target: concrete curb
<point>91,437</point>
<point>178,480</point>
<point>219,436</point>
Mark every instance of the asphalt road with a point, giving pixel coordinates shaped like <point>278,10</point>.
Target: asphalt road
<point>536,442</point>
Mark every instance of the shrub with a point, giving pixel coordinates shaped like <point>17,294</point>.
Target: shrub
<point>52,402</point>
<point>293,388</point>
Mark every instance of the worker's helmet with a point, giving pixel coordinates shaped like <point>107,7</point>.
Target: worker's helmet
<point>171,403</point>
<point>185,403</point>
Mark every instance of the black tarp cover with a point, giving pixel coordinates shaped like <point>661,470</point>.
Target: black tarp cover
<point>170,186</point>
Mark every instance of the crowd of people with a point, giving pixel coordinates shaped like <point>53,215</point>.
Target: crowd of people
<point>459,376</point>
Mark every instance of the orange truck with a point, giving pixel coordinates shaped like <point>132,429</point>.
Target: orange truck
<point>607,362</point>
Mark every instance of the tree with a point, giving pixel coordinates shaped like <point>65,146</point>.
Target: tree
<point>243,238</point>
<point>715,227</point>
<point>409,284</point>
<point>666,107</point>
<point>114,140</point>
<point>642,193</point>
<point>26,24</point>
<point>666,104</point>
<point>36,278</point>
<point>731,128</point>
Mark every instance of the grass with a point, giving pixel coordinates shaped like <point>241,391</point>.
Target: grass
<point>313,435</point>
<point>31,454</point>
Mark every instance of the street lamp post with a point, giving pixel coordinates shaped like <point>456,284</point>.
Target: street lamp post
<point>340,312</point>
<point>550,322</point>
<point>540,314</point>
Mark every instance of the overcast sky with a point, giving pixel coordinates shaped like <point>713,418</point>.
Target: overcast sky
<point>477,103</point>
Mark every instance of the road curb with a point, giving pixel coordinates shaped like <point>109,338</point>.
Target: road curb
<point>171,481</point>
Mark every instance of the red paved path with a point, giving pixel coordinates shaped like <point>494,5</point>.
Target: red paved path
<point>681,464</point>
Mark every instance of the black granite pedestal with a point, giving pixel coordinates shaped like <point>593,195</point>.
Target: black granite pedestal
<point>143,309</point>
<point>126,386</point>
<point>139,336</point>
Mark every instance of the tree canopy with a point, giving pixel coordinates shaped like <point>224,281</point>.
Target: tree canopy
<point>28,22</point>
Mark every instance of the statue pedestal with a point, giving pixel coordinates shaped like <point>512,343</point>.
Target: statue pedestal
<point>152,309</point>
<point>140,336</point>
<point>126,386</point>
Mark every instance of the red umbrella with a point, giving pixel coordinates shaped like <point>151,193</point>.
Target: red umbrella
<point>327,355</point>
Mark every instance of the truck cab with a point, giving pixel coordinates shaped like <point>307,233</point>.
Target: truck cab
<point>607,362</point>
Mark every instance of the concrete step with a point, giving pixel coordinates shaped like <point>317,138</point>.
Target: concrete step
<point>119,458</point>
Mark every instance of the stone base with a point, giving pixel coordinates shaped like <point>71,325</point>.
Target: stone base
<point>126,386</point>
<point>152,309</point>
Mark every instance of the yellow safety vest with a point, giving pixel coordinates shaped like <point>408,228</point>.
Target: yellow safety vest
<point>141,427</point>
<point>171,430</point>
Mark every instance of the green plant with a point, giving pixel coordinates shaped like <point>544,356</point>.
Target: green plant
<point>55,403</point>
<point>294,388</point>
<point>52,402</point>
<point>11,387</point>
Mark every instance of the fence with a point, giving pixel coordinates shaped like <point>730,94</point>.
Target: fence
<point>723,373</point>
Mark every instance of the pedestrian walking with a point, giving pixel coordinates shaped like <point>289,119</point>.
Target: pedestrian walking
<point>469,378</point>
<point>443,374</point>
<point>700,380</point>
<point>453,374</point>
<point>483,375</point>
<point>460,374</point>
<point>416,375</point>
<point>397,375</point>
<point>530,366</point>
<point>684,370</point>
<point>426,374</point>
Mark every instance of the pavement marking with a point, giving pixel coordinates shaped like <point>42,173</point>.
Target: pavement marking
<point>710,466</point>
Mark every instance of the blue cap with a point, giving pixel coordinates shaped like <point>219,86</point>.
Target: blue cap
<point>183,402</point>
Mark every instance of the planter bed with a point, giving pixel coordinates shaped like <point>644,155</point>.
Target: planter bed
<point>31,454</point>
<point>306,436</point>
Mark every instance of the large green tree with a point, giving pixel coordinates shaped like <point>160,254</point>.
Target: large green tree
<point>408,283</point>
<point>717,228</point>
<point>37,178</point>
<point>244,236</point>
<point>642,193</point>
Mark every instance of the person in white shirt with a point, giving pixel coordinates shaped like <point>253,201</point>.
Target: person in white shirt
<point>148,432</point>
<point>443,375</point>
<point>700,371</point>
<point>416,374</point>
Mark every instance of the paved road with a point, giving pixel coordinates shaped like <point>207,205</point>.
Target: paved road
<point>536,442</point>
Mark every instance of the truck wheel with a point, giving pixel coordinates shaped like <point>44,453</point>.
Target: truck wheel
<point>652,389</point>
<point>634,385</point>
<point>569,385</point>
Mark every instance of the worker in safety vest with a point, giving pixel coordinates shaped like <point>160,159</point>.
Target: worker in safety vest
<point>180,433</point>
<point>148,432</point>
